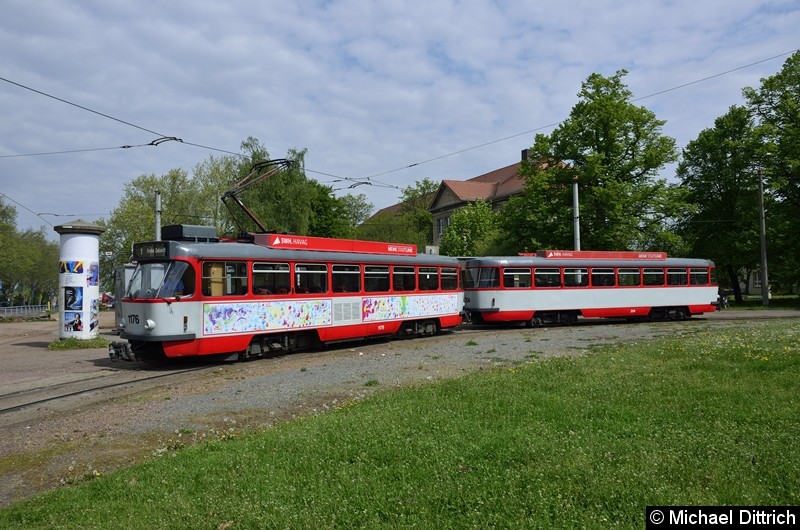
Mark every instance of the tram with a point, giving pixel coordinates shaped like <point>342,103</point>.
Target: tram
<point>559,287</point>
<point>194,294</point>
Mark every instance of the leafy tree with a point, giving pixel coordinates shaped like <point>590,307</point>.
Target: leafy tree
<point>392,227</point>
<point>38,260</point>
<point>409,222</point>
<point>214,177</point>
<point>718,170</point>
<point>133,220</point>
<point>776,106</point>
<point>356,209</point>
<point>328,214</point>
<point>471,231</point>
<point>613,150</point>
<point>28,262</point>
<point>8,242</point>
<point>415,202</point>
<point>288,201</point>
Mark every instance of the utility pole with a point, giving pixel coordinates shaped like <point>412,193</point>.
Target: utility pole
<point>763,233</point>
<point>576,214</point>
<point>158,215</point>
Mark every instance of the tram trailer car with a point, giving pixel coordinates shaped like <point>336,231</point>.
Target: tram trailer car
<point>194,295</point>
<point>558,287</point>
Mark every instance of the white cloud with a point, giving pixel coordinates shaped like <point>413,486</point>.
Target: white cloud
<point>366,87</point>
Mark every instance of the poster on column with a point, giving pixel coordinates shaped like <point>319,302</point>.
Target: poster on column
<point>93,294</point>
<point>73,280</point>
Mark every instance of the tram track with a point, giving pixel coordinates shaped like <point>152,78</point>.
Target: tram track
<point>61,395</point>
<point>35,398</point>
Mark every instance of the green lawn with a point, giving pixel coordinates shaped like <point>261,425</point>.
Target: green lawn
<point>753,301</point>
<point>706,418</point>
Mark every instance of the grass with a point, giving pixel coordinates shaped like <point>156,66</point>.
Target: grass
<point>755,302</point>
<point>73,343</point>
<point>704,419</point>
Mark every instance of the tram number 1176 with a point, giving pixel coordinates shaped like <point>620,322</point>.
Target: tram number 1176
<point>133,319</point>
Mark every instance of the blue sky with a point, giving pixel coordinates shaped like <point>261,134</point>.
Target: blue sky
<point>369,88</point>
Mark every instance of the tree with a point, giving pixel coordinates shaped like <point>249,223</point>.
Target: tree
<point>776,106</point>
<point>409,221</point>
<point>613,150</point>
<point>214,177</point>
<point>356,209</point>
<point>415,202</point>
<point>38,258</point>
<point>133,220</point>
<point>328,214</point>
<point>718,170</point>
<point>471,231</point>
<point>28,262</point>
<point>8,242</point>
<point>390,226</point>
<point>288,201</point>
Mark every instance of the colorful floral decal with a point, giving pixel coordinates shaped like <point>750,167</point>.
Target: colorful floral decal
<point>397,307</point>
<point>262,316</point>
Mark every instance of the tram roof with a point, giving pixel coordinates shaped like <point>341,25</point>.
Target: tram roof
<point>537,261</point>
<point>240,250</point>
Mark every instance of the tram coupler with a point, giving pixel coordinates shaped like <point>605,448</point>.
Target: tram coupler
<point>119,350</point>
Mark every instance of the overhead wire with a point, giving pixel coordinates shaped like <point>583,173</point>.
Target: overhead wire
<point>356,181</point>
<point>556,124</point>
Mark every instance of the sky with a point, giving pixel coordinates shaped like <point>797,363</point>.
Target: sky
<point>381,94</point>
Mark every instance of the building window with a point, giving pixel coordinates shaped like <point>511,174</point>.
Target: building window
<point>441,224</point>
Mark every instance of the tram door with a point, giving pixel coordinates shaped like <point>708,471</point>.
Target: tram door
<point>122,277</point>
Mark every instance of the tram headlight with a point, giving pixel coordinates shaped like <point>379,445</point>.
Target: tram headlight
<point>149,325</point>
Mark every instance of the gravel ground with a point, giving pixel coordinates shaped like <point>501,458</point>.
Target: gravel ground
<point>128,426</point>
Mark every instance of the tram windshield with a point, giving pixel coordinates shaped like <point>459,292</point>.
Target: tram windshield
<point>164,279</point>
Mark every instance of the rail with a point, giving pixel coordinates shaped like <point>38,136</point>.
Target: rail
<point>23,310</point>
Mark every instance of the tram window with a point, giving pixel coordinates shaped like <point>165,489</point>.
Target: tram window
<point>470,279</point>
<point>428,278</point>
<point>186,282</point>
<point>576,277</point>
<point>602,277</point>
<point>628,277</point>
<point>489,277</point>
<point>713,276</point>
<point>517,278</point>
<point>653,276</point>
<point>376,278</point>
<point>224,278</point>
<point>698,276</point>
<point>677,277</point>
<point>179,280</point>
<point>449,279</point>
<point>547,277</point>
<point>310,278</point>
<point>271,278</point>
<point>403,279</point>
<point>346,278</point>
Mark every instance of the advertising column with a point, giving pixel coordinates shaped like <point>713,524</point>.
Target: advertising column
<point>79,280</point>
